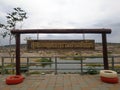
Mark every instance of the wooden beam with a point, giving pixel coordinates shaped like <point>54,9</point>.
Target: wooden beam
<point>66,31</point>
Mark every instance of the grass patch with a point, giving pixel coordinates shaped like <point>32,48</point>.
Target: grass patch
<point>91,70</point>
<point>79,58</point>
<point>73,58</point>
<point>94,65</point>
<point>42,60</point>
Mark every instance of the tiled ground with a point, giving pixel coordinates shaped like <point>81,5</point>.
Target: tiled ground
<point>60,82</point>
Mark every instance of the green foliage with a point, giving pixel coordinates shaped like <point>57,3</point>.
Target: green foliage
<point>23,69</point>
<point>92,70</point>
<point>94,65</point>
<point>73,58</point>
<point>44,60</point>
<point>6,71</point>
<point>9,65</point>
<point>78,58</point>
<point>0,66</point>
<point>17,15</point>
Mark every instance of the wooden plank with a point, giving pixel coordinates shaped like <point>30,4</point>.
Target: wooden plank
<point>60,44</point>
<point>41,31</point>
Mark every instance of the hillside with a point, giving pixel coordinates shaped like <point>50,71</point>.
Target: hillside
<point>113,49</point>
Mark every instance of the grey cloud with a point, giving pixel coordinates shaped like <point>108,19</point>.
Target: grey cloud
<point>114,25</point>
<point>69,14</point>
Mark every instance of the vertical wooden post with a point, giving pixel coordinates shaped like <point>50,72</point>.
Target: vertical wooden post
<point>17,54</point>
<point>105,56</point>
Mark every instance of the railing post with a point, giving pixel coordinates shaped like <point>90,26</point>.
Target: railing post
<point>2,66</point>
<point>81,65</point>
<point>55,65</point>
<point>113,63</point>
<point>27,64</point>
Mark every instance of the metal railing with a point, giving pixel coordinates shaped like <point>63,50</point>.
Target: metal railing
<point>55,61</point>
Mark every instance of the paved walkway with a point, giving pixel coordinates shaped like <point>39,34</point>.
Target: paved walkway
<point>60,82</point>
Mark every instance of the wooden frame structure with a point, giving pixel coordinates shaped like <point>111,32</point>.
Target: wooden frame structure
<point>103,32</point>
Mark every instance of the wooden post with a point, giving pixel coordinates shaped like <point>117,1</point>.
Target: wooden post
<point>17,54</point>
<point>105,56</point>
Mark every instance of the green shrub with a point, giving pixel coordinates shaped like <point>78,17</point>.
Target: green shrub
<point>44,60</point>
<point>92,70</point>
<point>6,71</point>
<point>94,65</point>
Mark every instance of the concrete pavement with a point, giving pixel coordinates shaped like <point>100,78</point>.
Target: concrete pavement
<point>60,82</point>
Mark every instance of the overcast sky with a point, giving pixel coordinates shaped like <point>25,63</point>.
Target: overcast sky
<point>67,14</point>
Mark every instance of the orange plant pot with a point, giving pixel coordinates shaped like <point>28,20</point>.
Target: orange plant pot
<point>16,79</point>
<point>110,80</point>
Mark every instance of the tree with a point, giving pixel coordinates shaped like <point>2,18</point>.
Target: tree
<point>16,16</point>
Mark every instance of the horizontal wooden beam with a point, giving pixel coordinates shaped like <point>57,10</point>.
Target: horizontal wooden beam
<point>66,31</point>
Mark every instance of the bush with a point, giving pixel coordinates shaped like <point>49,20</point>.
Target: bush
<point>94,65</point>
<point>44,60</point>
<point>92,70</point>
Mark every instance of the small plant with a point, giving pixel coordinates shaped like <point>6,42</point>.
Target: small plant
<point>44,61</point>
<point>6,71</point>
<point>92,70</point>
<point>94,65</point>
<point>23,69</point>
